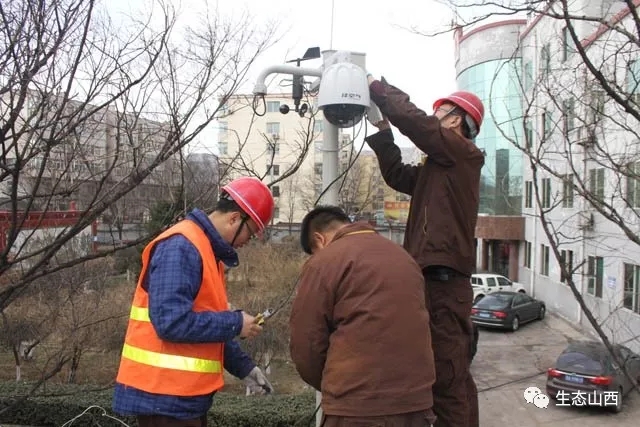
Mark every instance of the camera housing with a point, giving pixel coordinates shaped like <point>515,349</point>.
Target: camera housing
<point>344,94</point>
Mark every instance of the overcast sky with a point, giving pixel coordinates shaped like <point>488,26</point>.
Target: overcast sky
<point>421,66</point>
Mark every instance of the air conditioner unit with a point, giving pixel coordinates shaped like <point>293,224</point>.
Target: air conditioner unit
<point>586,221</point>
<point>586,137</point>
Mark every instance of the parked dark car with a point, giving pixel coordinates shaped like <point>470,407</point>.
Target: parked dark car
<point>588,369</point>
<point>507,310</point>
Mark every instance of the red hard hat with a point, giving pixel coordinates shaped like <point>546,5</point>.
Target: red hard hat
<point>253,197</point>
<point>470,103</point>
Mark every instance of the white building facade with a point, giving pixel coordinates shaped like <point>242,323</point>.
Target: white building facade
<point>581,149</point>
<point>271,145</point>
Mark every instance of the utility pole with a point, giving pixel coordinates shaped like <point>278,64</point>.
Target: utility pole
<point>331,144</point>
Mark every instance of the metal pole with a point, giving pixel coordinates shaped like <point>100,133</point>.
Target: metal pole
<point>331,144</point>
<point>330,163</point>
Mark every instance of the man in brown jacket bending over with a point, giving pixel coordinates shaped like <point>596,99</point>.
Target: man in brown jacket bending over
<point>440,228</point>
<point>360,327</point>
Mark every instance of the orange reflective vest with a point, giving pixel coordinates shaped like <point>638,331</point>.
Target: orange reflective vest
<point>177,369</point>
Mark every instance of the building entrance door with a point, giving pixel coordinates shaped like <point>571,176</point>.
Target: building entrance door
<point>500,257</point>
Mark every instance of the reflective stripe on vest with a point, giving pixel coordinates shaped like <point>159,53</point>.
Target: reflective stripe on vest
<point>140,314</point>
<point>171,361</point>
<point>168,361</point>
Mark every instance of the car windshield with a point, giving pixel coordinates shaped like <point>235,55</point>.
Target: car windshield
<point>575,361</point>
<point>494,302</point>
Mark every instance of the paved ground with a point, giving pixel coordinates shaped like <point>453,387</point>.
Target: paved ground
<point>509,357</point>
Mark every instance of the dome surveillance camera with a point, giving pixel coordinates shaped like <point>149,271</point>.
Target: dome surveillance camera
<point>344,94</point>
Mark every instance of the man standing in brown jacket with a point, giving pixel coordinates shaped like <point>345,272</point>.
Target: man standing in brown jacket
<point>440,228</point>
<point>359,326</point>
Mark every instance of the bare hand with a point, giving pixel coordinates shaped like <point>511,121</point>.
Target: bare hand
<point>383,124</point>
<point>250,328</point>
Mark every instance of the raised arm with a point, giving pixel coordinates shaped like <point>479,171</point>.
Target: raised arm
<point>422,129</point>
<point>397,175</point>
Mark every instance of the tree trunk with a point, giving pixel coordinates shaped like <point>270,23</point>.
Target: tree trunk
<point>75,362</point>
<point>16,358</point>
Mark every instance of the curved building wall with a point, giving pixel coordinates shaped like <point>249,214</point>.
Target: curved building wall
<point>487,65</point>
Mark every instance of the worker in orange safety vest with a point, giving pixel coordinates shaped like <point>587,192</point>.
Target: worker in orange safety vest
<point>181,331</point>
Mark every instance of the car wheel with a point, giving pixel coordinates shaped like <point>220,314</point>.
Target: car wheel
<point>542,312</point>
<point>478,298</point>
<point>618,408</point>
<point>515,323</point>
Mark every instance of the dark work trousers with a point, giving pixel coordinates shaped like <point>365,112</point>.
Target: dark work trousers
<point>162,421</point>
<point>412,419</point>
<point>455,396</point>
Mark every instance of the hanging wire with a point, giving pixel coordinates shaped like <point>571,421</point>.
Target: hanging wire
<point>343,174</point>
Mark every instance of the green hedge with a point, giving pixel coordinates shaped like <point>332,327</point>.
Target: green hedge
<point>56,405</point>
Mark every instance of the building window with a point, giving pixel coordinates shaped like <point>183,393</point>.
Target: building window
<point>546,192</point>
<point>631,299</point>
<point>223,127</point>
<point>273,148</point>
<point>275,190</point>
<point>595,274</point>
<point>528,75</point>
<point>568,116</point>
<point>273,106</point>
<point>528,194</point>
<point>596,183</point>
<point>567,191</point>
<point>223,148</point>
<point>273,129</point>
<point>633,77</point>
<point>276,212</point>
<point>528,134</point>
<point>633,185</point>
<point>318,145</point>
<point>273,170</point>
<point>317,169</point>
<point>597,104</point>
<point>547,124</point>
<point>317,126</point>
<point>545,60</point>
<point>544,260</point>
<point>566,264</point>
<point>527,254</point>
<point>567,44</point>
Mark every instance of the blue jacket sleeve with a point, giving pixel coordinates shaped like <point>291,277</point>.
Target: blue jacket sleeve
<point>173,282</point>
<point>237,362</point>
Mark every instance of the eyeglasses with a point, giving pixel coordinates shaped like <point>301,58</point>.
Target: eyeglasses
<point>252,234</point>
<point>449,111</point>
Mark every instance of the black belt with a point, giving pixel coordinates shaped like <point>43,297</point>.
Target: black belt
<point>441,273</point>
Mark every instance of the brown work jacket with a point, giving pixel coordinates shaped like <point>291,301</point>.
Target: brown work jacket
<point>444,190</point>
<point>360,328</point>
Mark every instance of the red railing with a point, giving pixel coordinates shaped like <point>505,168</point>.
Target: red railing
<point>39,219</point>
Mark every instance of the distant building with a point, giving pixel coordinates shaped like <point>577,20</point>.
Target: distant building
<point>79,164</point>
<point>269,145</point>
<point>488,64</point>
